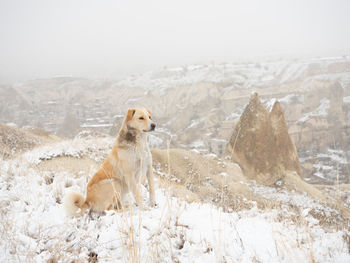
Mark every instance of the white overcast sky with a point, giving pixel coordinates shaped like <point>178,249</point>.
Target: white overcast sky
<point>111,38</point>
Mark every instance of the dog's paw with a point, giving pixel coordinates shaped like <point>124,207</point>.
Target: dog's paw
<point>152,203</point>
<point>143,208</point>
<point>140,206</point>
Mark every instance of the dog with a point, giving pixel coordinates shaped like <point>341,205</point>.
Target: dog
<point>123,170</point>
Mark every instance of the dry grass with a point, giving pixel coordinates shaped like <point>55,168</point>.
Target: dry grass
<point>208,179</point>
<point>196,178</point>
<point>14,141</point>
<point>202,176</point>
<point>75,166</point>
<point>294,182</point>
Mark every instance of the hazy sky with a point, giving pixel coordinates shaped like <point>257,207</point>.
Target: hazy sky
<point>111,38</point>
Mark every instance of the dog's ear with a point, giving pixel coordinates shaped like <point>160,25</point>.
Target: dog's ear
<point>130,114</point>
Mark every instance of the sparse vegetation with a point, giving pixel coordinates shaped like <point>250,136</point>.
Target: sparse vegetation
<point>211,214</point>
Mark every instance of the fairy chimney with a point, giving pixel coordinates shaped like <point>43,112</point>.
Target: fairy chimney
<point>261,145</point>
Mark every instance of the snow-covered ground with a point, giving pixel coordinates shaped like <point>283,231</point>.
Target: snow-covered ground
<point>331,166</point>
<point>34,227</point>
<point>321,111</point>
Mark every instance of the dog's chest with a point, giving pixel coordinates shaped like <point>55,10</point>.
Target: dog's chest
<point>140,156</point>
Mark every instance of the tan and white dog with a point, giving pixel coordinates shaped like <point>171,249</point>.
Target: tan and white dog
<point>128,163</point>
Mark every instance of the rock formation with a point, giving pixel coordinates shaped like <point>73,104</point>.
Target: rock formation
<point>70,126</point>
<point>261,145</point>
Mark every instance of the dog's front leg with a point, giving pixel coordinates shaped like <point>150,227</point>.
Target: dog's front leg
<point>134,188</point>
<point>150,180</point>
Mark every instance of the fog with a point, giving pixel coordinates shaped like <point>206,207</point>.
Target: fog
<point>110,39</point>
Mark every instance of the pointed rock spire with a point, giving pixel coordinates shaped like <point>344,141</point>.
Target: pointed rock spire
<point>261,145</point>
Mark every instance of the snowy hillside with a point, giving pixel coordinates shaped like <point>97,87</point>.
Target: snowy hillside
<point>34,228</point>
<point>239,75</point>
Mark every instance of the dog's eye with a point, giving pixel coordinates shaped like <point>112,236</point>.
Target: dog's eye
<point>141,118</point>
<point>150,117</point>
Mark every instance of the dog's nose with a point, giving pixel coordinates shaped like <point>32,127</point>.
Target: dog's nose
<point>153,126</point>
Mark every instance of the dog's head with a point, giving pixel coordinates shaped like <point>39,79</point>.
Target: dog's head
<point>140,119</point>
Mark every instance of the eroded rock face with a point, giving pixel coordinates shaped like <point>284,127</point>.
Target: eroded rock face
<point>285,148</point>
<point>261,145</point>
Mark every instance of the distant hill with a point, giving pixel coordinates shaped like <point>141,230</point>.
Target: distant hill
<point>197,106</point>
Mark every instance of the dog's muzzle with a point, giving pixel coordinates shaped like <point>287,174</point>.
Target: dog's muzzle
<point>153,126</point>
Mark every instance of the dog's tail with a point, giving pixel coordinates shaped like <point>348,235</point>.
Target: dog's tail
<point>74,204</point>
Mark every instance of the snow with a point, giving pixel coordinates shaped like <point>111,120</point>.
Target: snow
<point>300,200</point>
<point>11,124</point>
<point>193,124</point>
<point>335,155</point>
<point>267,78</point>
<point>290,98</point>
<point>346,100</point>
<point>321,111</point>
<point>223,174</point>
<point>293,71</point>
<point>35,229</point>
<point>91,147</point>
<point>96,125</point>
<point>329,165</point>
<point>197,144</point>
<point>132,100</point>
<point>154,141</point>
<point>236,114</point>
<point>239,75</point>
<point>269,103</point>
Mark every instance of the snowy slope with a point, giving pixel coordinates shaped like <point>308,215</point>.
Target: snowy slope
<point>35,229</point>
